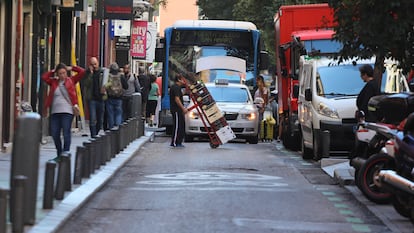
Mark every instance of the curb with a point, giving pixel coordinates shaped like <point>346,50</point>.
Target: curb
<point>77,198</point>
<point>344,176</point>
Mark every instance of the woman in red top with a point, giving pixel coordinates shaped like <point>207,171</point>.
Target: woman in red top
<point>63,102</point>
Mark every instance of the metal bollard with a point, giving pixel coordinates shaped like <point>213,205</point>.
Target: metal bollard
<point>4,193</point>
<point>102,151</point>
<point>141,127</point>
<point>326,139</point>
<point>131,130</point>
<point>61,183</point>
<point>25,161</point>
<point>115,141</point>
<point>66,161</point>
<point>107,145</point>
<point>77,176</point>
<point>92,153</point>
<point>121,137</point>
<point>98,151</point>
<point>134,128</point>
<point>20,187</point>
<point>86,167</point>
<point>137,123</point>
<point>49,184</point>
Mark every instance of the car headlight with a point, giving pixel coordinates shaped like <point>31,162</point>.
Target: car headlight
<point>325,110</point>
<point>193,115</point>
<point>249,116</point>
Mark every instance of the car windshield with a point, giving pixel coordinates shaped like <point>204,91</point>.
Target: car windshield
<point>343,80</point>
<point>228,94</point>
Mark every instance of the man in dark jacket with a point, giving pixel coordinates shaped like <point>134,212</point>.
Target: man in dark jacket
<point>95,94</point>
<point>370,89</point>
<point>145,83</point>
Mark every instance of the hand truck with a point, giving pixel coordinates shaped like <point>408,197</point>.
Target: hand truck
<point>215,124</point>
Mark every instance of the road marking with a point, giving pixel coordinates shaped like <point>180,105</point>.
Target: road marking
<point>361,228</point>
<point>210,181</point>
<point>354,220</point>
<point>340,205</point>
<point>357,223</point>
<point>335,199</point>
<point>295,226</point>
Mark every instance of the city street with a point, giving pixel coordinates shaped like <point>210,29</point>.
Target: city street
<point>237,187</point>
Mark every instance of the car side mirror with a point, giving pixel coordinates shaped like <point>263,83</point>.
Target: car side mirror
<point>308,94</point>
<point>296,91</point>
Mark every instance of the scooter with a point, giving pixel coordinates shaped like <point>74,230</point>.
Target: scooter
<point>373,152</point>
<point>400,181</point>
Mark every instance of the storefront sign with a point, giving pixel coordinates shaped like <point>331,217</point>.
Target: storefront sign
<point>117,9</point>
<point>139,39</point>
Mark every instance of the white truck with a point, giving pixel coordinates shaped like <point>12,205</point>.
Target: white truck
<point>327,102</point>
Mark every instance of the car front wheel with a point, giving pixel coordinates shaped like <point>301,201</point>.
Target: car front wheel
<point>253,140</point>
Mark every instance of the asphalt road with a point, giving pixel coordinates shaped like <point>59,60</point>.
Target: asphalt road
<point>237,187</point>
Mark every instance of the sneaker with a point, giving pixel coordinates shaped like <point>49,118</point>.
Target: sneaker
<point>180,146</point>
<point>172,145</point>
<point>56,159</point>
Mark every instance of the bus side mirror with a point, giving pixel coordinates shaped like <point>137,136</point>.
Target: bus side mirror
<point>264,60</point>
<point>308,94</point>
<point>159,54</point>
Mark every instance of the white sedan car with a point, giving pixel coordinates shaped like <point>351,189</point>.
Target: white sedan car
<point>236,104</point>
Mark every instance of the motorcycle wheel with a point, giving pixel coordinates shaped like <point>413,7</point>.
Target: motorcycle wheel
<point>368,178</point>
<point>401,205</point>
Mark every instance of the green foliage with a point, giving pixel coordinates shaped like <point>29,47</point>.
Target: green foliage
<point>216,9</point>
<point>375,27</point>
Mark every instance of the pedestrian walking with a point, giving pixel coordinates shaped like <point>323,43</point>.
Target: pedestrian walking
<point>178,111</point>
<point>133,87</point>
<point>145,87</point>
<point>152,100</point>
<point>261,92</point>
<point>95,95</point>
<point>63,103</point>
<point>115,89</point>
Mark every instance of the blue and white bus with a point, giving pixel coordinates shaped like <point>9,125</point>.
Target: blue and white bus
<point>188,41</point>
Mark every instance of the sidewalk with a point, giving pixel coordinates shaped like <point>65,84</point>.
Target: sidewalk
<point>51,220</point>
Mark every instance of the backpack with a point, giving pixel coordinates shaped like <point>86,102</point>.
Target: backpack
<point>114,88</point>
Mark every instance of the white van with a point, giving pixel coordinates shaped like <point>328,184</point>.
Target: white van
<point>327,102</point>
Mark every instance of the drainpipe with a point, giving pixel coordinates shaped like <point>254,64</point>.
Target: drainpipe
<point>57,37</point>
<point>18,60</point>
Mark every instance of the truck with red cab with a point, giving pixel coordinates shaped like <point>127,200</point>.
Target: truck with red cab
<point>297,27</point>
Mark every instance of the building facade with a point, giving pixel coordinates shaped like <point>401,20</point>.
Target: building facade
<point>35,35</point>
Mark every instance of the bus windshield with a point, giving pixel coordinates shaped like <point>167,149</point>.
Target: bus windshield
<point>183,59</point>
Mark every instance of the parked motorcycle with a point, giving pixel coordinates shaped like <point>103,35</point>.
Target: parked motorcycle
<point>400,181</point>
<point>373,148</point>
<point>374,154</point>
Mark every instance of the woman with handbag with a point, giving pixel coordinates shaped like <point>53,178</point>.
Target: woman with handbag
<point>63,102</point>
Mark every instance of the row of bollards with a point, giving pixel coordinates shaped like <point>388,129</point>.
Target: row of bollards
<point>93,154</point>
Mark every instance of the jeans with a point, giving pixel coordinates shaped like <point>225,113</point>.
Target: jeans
<point>126,107</point>
<point>96,115</point>
<point>61,122</point>
<point>114,110</point>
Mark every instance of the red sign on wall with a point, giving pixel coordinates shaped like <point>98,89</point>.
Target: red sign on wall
<point>139,39</point>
